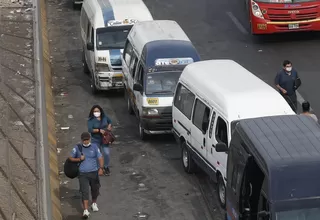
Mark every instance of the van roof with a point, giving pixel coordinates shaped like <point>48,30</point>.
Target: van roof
<point>233,90</point>
<point>157,30</point>
<point>286,147</point>
<point>106,10</point>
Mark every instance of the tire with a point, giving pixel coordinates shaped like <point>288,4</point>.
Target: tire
<point>129,106</point>
<point>221,192</point>
<point>94,89</point>
<point>84,64</point>
<point>187,162</point>
<point>142,134</point>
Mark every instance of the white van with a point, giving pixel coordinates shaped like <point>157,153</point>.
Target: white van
<point>105,25</point>
<point>154,56</point>
<point>211,97</point>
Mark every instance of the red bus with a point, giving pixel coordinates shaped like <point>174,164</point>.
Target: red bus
<point>277,16</point>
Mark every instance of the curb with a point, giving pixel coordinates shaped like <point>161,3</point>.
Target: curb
<point>47,159</point>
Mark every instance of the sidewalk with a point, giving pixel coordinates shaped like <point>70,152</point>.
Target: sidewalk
<point>18,170</point>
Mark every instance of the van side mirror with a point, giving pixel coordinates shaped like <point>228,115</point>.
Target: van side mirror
<point>221,147</point>
<point>137,87</point>
<point>90,46</point>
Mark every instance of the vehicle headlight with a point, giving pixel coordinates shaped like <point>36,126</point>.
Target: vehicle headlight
<point>150,111</point>
<point>256,10</point>
<point>102,67</point>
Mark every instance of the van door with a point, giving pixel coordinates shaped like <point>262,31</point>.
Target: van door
<point>138,96</point>
<point>199,127</point>
<point>182,110</point>
<point>90,55</point>
<point>220,135</point>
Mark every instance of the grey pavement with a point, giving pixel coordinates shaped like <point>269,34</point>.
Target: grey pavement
<point>18,178</point>
<point>147,177</point>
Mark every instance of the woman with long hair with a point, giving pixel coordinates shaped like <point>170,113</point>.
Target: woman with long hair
<point>98,124</point>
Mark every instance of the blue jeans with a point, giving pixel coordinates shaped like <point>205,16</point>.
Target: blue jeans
<point>105,150</point>
<point>106,155</point>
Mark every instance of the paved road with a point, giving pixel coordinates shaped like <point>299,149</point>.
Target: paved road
<point>148,177</point>
<point>18,178</point>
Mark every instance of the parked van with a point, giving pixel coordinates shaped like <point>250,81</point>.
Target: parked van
<point>273,169</point>
<point>155,54</point>
<point>210,98</point>
<point>105,25</point>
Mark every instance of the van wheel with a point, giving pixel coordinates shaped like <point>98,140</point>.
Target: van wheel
<point>94,89</point>
<point>129,106</point>
<point>84,64</point>
<point>221,191</point>
<point>142,133</point>
<point>187,162</point>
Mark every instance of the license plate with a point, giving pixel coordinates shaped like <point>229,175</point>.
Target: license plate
<point>293,26</point>
<point>104,84</point>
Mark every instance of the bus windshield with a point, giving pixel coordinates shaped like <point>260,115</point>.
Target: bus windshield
<point>112,37</point>
<point>300,214</point>
<point>285,1</point>
<point>162,82</point>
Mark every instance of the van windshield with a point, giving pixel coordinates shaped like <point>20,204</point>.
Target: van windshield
<point>285,1</point>
<point>162,82</point>
<point>112,37</point>
<point>300,214</point>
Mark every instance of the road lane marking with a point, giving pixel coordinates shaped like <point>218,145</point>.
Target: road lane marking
<point>237,23</point>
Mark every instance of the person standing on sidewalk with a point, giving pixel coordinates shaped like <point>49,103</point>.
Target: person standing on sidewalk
<point>89,171</point>
<point>98,123</point>
<point>287,81</point>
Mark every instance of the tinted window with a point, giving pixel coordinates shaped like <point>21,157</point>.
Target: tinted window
<point>133,64</point>
<point>184,100</point>
<point>201,116</point>
<point>127,52</point>
<point>234,178</point>
<point>222,131</point>
<point>109,38</point>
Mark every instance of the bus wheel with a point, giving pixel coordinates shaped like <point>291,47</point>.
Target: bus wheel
<point>142,133</point>
<point>94,89</point>
<point>221,191</point>
<point>129,107</point>
<point>187,161</point>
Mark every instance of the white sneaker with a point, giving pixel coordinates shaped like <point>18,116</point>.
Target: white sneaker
<point>86,214</point>
<point>94,207</point>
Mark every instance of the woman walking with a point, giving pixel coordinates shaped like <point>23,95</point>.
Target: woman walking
<point>98,124</point>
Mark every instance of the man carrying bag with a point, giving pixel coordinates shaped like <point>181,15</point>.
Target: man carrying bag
<point>85,157</point>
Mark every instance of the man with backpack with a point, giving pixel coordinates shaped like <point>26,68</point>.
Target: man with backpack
<point>86,155</point>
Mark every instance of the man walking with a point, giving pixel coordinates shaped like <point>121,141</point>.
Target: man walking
<point>287,81</point>
<point>89,171</point>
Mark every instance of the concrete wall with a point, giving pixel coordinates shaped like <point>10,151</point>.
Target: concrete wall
<point>52,143</point>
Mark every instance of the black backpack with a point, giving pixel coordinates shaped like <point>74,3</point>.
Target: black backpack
<point>71,169</point>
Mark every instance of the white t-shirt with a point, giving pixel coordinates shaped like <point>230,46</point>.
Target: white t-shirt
<point>311,115</point>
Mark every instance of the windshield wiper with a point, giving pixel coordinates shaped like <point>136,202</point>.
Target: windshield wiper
<point>164,91</point>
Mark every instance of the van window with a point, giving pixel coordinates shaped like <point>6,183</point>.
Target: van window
<point>184,100</point>
<point>88,32</point>
<point>92,35</point>
<point>139,76</point>
<point>234,179</point>
<point>201,116</point>
<point>213,117</point>
<point>221,131</point>
<point>133,64</point>
<point>263,204</point>
<point>127,52</point>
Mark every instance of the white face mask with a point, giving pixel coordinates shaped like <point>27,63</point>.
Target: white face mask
<point>96,114</point>
<point>86,145</point>
<point>288,69</point>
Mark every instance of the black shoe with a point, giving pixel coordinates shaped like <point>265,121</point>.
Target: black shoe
<point>107,171</point>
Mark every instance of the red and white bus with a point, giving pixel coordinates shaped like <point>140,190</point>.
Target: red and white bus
<point>276,16</point>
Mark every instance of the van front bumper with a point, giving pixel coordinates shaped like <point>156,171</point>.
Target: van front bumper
<point>109,81</point>
<point>161,124</point>
<point>262,26</point>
